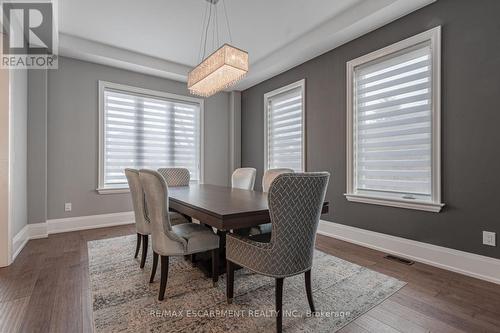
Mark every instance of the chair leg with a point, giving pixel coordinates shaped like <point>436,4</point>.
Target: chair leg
<point>155,264</point>
<point>279,305</point>
<point>215,266</point>
<point>309,290</point>
<point>144,250</point>
<point>164,277</point>
<point>229,281</point>
<point>138,246</point>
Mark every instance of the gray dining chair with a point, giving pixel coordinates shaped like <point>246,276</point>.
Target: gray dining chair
<point>142,224</point>
<point>263,231</point>
<point>295,202</point>
<point>175,176</point>
<point>243,178</point>
<point>173,240</point>
<point>270,175</point>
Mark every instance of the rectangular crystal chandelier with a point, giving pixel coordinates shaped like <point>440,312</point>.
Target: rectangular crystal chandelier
<point>218,71</point>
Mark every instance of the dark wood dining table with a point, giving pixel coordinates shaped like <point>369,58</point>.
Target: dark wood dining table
<point>223,208</point>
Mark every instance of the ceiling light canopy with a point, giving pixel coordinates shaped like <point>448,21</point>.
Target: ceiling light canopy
<point>222,68</point>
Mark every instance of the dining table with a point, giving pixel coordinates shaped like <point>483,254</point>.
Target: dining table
<point>223,208</point>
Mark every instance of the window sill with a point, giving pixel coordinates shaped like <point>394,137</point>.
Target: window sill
<point>399,203</point>
<point>112,190</point>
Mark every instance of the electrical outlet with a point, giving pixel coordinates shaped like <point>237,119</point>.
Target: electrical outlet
<point>489,238</point>
<point>67,207</point>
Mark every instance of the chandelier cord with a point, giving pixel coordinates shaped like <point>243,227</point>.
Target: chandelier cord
<point>206,31</point>
<point>227,22</point>
<point>207,21</point>
<point>210,75</point>
<point>200,56</point>
<point>217,25</point>
<point>214,46</point>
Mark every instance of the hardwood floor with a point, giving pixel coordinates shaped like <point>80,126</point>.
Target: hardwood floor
<point>47,290</point>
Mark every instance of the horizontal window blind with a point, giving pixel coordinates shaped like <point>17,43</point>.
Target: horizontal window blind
<point>393,123</point>
<point>148,132</point>
<point>284,130</point>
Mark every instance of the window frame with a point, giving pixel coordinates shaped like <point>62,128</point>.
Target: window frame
<point>102,85</point>
<point>434,205</point>
<point>298,84</point>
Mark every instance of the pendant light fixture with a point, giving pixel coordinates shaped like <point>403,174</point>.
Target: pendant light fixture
<point>222,68</point>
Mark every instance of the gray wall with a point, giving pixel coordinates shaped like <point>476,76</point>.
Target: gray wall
<point>18,156</point>
<point>72,138</point>
<point>470,120</point>
<point>234,130</point>
<point>37,146</point>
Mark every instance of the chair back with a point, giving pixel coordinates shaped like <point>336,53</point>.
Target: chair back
<point>175,176</point>
<point>138,201</point>
<point>295,204</point>
<point>270,175</point>
<point>243,178</point>
<point>156,193</point>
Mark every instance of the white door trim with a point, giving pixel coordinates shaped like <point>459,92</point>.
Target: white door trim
<point>5,167</point>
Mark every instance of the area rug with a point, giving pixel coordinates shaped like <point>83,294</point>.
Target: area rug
<point>125,301</point>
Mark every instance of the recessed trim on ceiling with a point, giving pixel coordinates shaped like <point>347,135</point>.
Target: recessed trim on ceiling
<point>353,23</point>
<point>84,49</point>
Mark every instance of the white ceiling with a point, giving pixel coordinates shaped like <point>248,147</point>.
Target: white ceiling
<point>162,37</point>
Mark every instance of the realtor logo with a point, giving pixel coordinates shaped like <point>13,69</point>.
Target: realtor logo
<point>29,38</point>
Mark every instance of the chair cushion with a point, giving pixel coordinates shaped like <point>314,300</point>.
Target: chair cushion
<point>262,238</point>
<point>254,231</point>
<point>199,238</point>
<point>261,229</point>
<point>176,218</point>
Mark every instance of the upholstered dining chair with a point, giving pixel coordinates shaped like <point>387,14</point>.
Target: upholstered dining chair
<point>295,202</point>
<point>243,178</point>
<point>173,240</point>
<point>175,176</point>
<point>142,224</point>
<point>269,176</point>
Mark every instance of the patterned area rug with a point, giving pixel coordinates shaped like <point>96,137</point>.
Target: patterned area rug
<point>125,301</point>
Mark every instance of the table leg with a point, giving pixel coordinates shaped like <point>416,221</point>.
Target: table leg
<point>204,260</point>
<point>222,242</point>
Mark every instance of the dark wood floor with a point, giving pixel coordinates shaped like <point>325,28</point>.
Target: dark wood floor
<point>47,290</point>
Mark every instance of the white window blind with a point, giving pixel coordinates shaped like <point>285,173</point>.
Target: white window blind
<point>285,132</point>
<point>393,123</point>
<point>142,131</point>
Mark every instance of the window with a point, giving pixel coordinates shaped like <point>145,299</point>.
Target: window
<point>284,127</point>
<point>141,128</point>
<point>393,125</point>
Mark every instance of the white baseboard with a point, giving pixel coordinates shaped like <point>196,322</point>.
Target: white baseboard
<point>470,264</point>
<point>42,230</point>
<point>89,222</point>
<point>30,231</point>
<point>20,240</point>
<point>478,266</point>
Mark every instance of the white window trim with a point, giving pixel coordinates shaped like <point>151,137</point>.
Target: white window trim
<point>102,85</point>
<point>299,84</point>
<point>435,204</point>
